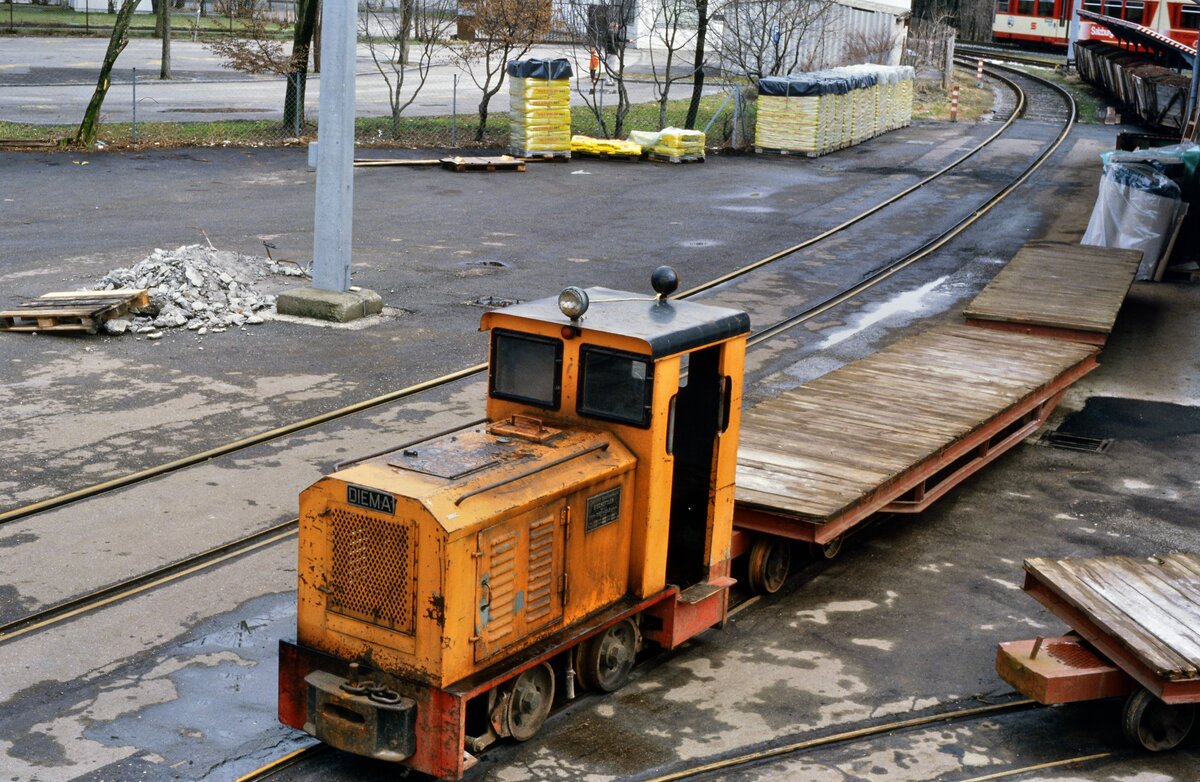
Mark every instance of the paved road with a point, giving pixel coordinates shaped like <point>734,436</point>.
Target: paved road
<point>50,80</point>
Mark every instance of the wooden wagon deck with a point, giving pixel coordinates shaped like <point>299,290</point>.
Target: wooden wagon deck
<point>1058,289</point>
<point>1142,614</point>
<point>896,430</point>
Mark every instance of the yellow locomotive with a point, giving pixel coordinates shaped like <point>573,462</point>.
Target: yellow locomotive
<point>451,591</point>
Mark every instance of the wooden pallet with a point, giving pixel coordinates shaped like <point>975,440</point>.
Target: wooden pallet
<point>542,155</point>
<point>503,163</point>
<point>72,310</point>
<point>785,152</point>
<point>658,157</point>
<point>607,156</point>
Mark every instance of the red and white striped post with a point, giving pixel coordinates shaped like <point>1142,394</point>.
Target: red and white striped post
<point>954,103</point>
<point>979,73</point>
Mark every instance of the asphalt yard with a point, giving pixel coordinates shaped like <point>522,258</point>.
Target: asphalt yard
<point>179,682</point>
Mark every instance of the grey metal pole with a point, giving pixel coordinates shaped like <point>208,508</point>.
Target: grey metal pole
<point>335,148</point>
<point>134,128</point>
<point>454,114</point>
<point>737,101</point>
<point>1073,31</point>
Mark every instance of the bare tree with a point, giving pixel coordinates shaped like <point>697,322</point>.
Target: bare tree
<point>604,27</point>
<point>391,34</point>
<point>504,30</point>
<point>772,37</point>
<point>116,44</point>
<point>875,46</point>
<point>164,22</point>
<point>703,20</point>
<point>253,49</point>
<point>673,30</point>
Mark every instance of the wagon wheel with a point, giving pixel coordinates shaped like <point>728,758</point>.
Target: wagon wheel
<point>606,660</point>
<point>1156,725</point>
<point>529,702</point>
<point>767,569</point>
<point>829,549</point>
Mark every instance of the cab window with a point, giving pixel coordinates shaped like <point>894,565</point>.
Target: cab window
<point>526,368</point>
<point>615,386</point>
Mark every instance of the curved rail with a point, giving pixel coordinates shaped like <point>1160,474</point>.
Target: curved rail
<point>846,737</point>
<point>234,446</point>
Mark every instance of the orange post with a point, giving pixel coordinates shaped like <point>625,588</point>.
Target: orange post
<point>954,103</point>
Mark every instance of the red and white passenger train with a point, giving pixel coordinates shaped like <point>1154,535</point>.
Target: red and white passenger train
<point>1048,21</point>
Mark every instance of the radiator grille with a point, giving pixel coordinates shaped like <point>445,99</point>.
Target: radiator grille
<point>372,573</point>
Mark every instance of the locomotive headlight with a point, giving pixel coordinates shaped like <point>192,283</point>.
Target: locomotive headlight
<point>573,302</point>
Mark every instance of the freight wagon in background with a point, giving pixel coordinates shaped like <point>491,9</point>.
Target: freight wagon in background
<point>1047,22</point>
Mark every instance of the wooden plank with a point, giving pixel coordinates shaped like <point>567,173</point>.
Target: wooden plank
<point>384,162</point>
<point>140,296</point>
<point>1059,285</point>
<point>820,449</point>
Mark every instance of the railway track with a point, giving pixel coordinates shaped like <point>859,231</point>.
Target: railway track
<point>994,52</point>
<point>244,546</point>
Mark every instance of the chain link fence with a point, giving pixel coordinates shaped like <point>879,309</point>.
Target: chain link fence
<point>211,109</point>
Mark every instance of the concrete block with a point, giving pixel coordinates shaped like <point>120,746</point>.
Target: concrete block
<point>336,306</point>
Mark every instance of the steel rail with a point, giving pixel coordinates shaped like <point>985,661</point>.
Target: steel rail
<point>74,607</point>
<point>871,211</point>
<point>69,609</point>
<point>287,761</point>
<point>1015,55</point>
<point>845,737</point>
<point>260,438</point>
<point>938,242</point>
<point>1013,772</point>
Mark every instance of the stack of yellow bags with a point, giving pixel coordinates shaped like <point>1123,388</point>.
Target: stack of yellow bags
<point>789,115</point>
<point>540,106</point>
<point>605,146</point>
<point>904,112</point>
<point>678,142</point>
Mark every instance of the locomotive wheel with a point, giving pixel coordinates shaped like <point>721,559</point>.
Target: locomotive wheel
<point>831,549</point>
<point>767,568</point>
<point>607,659</point>
<point>529,702</point>
<point>1155,725</point>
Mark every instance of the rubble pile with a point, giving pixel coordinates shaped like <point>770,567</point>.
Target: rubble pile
<point>198,288</point>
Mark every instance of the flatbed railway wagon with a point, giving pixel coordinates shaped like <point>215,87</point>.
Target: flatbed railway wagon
<point>1047,22</point>
<point>453,590</point>
<point>1135,633</point>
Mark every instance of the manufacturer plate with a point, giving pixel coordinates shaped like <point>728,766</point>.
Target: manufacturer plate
<point>603,508</point>
<point>378,501</point>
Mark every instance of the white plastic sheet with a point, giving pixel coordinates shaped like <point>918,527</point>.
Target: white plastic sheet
<point>1136,208</point>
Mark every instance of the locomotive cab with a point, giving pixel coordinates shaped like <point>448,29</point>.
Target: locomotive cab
<point>452,590</point>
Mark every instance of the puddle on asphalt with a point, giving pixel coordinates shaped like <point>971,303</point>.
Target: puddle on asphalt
<point>908,303</point>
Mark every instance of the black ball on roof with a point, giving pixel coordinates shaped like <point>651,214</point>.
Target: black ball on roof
<point>664,280</point>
